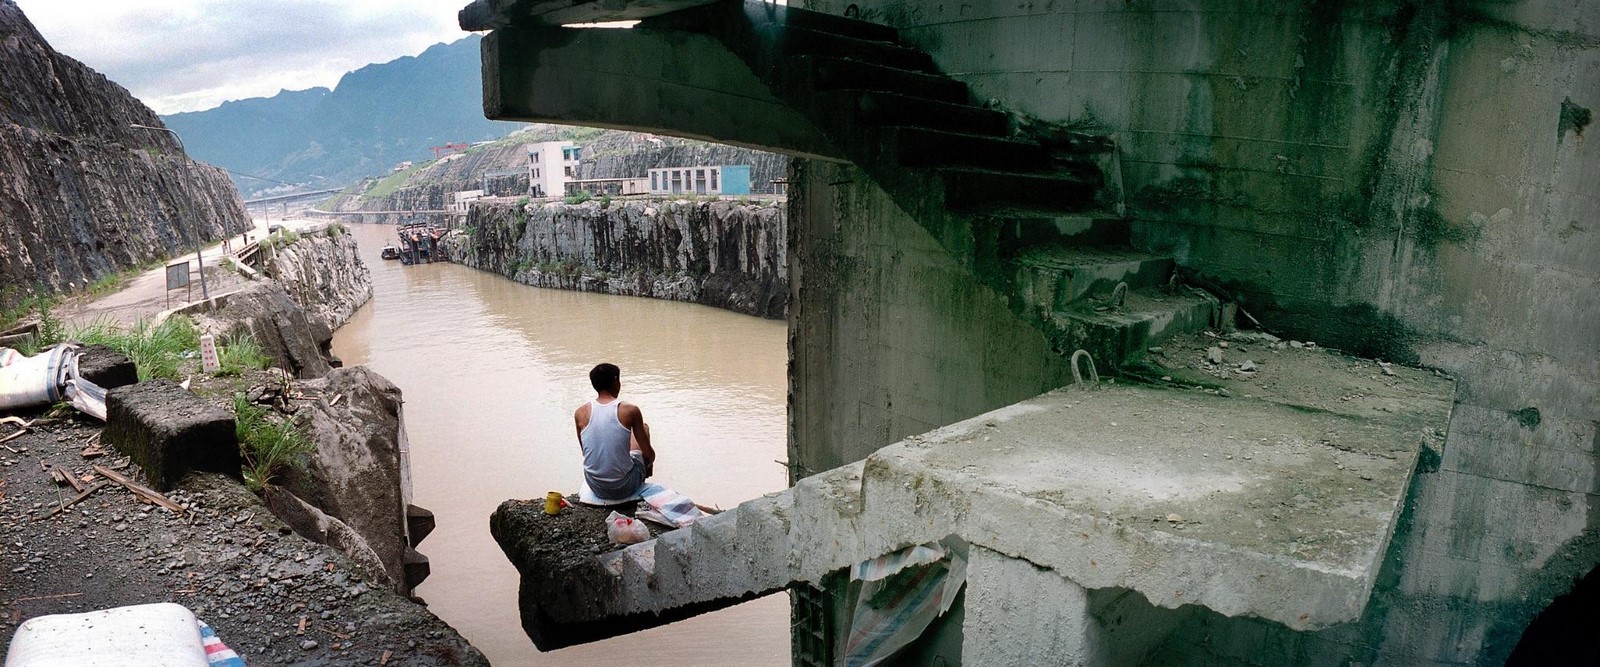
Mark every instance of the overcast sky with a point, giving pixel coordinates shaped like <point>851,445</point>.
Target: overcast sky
<point>191,55</point>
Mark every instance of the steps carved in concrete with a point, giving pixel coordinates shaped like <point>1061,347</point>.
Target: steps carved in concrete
<point>1279,506</point>
<point>829,73</point>
<point>1054,277</point>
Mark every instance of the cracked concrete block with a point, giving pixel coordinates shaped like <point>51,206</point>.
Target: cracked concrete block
<point>673,555</point>
<point>168,431</point>
<point>763,540</point>
<point>714,548</point>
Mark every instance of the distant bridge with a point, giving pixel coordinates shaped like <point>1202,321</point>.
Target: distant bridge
<point>298,195</point>
<point>319,211</point>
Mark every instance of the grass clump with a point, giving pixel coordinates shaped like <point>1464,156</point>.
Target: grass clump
<point>268,444</point>
<point>157,350</point>
<point>240,354</point>
<point>336,229</point>
<point>581,197</point>
<point>283,237</point>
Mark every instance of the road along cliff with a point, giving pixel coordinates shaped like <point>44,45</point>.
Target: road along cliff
<point>83,194</point>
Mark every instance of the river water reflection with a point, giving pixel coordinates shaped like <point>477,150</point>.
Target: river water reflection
<point>491,371</point>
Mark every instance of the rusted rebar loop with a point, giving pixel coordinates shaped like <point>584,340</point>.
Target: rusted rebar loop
<point>1077,373</point>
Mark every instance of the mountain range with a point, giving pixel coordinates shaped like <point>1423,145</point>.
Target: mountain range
<point>376,117</point>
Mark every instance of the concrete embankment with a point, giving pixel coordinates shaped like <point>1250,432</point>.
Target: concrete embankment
<point>723,253</point>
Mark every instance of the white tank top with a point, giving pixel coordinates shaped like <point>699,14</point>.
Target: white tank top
<point>605,443</point>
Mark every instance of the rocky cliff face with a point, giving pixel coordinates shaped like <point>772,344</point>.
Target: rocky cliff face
<point>721,253</point>
<point>82,194</point>
<point>324,274</point>
<point>317,284</point>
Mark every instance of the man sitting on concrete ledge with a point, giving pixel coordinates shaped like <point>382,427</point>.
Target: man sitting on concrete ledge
<point>617,456</point>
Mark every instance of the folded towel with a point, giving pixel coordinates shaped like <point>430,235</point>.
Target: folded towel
<point>588,497</point>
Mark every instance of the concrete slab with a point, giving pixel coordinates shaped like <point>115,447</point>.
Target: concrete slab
<point>1279,509</point>
<point>1278,505</point>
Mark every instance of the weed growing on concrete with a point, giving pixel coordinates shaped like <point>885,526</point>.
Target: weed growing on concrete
<point>605,201</point>
<point>156,349</point>
<point>267,444</point>
<point>240,354</point>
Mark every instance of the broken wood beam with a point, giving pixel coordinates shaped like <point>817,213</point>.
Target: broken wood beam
<point>139,489</point>
<point>75,500</point>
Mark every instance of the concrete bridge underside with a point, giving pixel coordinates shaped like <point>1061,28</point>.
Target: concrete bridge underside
<point>643,80</point>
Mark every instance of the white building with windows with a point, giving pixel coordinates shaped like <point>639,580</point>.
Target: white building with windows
<point>550,165</point>
<point>726,179</point>
<point>461,202</point>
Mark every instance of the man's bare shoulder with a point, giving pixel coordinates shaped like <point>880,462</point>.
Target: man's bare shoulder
<point>582,413</point>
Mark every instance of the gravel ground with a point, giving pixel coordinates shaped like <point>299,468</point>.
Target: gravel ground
<point>271,595</point>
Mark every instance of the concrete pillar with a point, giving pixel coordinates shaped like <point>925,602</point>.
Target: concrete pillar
<point>1020,614</point>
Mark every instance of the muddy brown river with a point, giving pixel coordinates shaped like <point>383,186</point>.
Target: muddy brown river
<point>492,370</point>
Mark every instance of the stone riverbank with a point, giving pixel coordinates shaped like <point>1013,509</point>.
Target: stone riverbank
<point>327,583</point>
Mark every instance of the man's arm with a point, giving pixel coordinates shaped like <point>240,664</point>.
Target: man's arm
<point>632,417</point>
<point>579,417</point>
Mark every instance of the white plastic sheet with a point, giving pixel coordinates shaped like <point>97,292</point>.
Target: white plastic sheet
<point>901,594</point>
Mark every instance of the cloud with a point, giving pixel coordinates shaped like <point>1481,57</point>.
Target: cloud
<point>189,55</point>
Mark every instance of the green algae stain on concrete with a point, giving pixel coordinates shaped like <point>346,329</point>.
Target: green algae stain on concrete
<point>1573,119</point>
<point>1528,417</point>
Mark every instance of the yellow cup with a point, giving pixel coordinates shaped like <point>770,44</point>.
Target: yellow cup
<point>552,503</point>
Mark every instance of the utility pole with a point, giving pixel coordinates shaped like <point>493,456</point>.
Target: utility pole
<point>195,229</point>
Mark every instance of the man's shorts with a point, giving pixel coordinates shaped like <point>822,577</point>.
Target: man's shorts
<point>625,487</point>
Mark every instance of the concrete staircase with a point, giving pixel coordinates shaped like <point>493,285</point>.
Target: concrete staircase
<point>951,163</point>
<point>1277,505</point>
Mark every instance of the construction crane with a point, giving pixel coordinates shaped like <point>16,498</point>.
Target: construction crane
<point>449,147</point>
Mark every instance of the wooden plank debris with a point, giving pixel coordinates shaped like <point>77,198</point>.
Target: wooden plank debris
<point>66,477</point>
<point>138,489</point>
<point>43,597</point>
<point>75,500</point>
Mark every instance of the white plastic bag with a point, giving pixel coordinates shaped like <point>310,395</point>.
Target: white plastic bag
<point>623,530</point>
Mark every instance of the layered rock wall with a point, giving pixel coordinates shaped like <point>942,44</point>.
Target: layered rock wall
<point>721,253</point>
<point>324,274</point>
<point>82,194</point>
<point>357,473</point>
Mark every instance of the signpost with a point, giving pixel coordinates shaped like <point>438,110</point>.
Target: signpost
<point>178,276</point>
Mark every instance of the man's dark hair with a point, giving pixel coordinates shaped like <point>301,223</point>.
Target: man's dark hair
<point>606,377</point>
